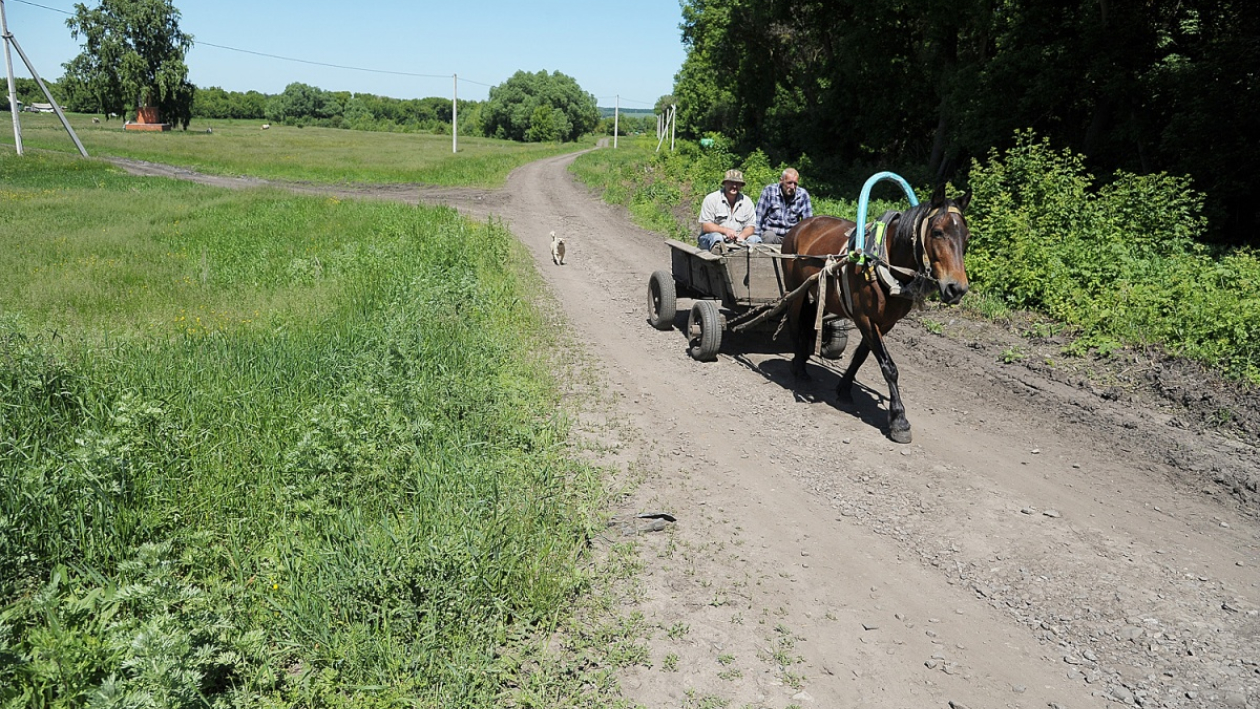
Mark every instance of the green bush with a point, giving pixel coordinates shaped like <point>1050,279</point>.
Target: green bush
<point>1119,261</point>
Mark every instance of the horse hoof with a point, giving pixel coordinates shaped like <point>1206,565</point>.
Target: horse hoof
<point>900,435</point>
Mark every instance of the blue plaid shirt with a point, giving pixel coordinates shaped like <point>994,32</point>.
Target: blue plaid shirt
<point>776,216</point>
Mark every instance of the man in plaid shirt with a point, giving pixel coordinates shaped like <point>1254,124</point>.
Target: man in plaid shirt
<point>781,206</point>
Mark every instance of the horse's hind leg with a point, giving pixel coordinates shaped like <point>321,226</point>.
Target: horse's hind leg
<point>801,320</point>
<point>844,390</point>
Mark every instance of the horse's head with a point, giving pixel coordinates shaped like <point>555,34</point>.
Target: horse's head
<point>943,233</point>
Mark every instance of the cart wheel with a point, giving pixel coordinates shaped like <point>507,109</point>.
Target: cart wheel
<point>662,300</point>
<point>835,339</point>
<point>704,327</point>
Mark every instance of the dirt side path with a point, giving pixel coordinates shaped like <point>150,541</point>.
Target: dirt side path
<point>1052,538</point>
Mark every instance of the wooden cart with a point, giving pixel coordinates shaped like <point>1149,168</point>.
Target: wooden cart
<point>738,289</point>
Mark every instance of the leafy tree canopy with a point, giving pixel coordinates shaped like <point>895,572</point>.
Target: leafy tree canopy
<point>926,87</point>
<point>133,55</point>
<point>539,107</point>
<point>302,101</point>
<point>215,102</point>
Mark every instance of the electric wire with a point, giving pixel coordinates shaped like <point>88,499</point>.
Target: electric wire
<point>295,59</point>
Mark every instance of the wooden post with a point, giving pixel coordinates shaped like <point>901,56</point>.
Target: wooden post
<point>455,114</point>
<point>616,119</point>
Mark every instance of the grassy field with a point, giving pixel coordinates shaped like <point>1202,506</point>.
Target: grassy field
<point>259,449</point>
<point>238,147</point>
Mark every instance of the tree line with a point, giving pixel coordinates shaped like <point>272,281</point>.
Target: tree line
<point>1144,86</point>
<point>511,115</point>
<point>518,109</point>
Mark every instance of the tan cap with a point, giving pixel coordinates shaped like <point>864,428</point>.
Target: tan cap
<point>734,176</point>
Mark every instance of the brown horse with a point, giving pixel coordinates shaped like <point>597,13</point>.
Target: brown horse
<point>928,241</point>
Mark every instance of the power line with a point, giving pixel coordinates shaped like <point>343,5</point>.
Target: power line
<point>626,100</point>
<point>310,62</point>
<point>314,63</point>
<point>35,4</point>
<point>291,59</point>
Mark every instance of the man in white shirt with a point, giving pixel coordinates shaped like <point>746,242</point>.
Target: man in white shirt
<point>728,215</point>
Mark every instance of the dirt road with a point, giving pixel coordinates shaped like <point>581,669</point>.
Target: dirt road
<point>1061,533</point>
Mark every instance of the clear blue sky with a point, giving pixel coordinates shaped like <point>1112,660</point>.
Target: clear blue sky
<point>631,49</point>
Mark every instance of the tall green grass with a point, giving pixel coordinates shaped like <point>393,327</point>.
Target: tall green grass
<point>268,450</point>
<point>239,147</point>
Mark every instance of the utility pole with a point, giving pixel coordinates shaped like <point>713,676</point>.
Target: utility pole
<point>616,119</point>
<point>455,114</point>
<point>673,125</point>
<point>8,62</point>
<point>668,125</point>
<point>662,125</point>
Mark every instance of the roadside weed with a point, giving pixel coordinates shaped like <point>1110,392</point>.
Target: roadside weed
<point>696,700</point>
<point>678,630</point>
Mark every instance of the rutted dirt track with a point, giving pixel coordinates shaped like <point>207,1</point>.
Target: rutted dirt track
<point>1060,534</point>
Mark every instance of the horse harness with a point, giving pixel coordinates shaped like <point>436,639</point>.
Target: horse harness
<point>880,271</point>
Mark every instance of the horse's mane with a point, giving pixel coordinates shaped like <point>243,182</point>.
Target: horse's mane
<point>909,221</point>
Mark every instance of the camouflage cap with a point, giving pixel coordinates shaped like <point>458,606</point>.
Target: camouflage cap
<point>734,176</point>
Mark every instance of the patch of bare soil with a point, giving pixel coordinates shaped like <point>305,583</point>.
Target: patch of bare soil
<point>480,203</point>
<point>1061,533</point>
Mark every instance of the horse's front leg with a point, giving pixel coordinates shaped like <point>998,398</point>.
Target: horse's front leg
<point>898,425</point>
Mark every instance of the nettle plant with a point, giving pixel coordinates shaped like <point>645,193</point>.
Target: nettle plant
<point>1049,240</point>
<point>148,638</point>
<point>1120,261</point>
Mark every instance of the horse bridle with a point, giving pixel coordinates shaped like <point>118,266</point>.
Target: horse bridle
<point>920,238</point>
<point>833,264</point>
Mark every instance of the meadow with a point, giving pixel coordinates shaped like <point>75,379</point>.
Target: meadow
<point>260,449</point>
<point>241,147</point>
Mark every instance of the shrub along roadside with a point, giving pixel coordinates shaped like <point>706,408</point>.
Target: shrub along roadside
<point>1120,263</point>
<point>355,495</point>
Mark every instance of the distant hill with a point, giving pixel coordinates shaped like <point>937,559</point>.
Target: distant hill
<point>607,112</point>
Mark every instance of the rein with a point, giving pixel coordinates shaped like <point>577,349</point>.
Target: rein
<point>918,241</point>
<point>835,264</point>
